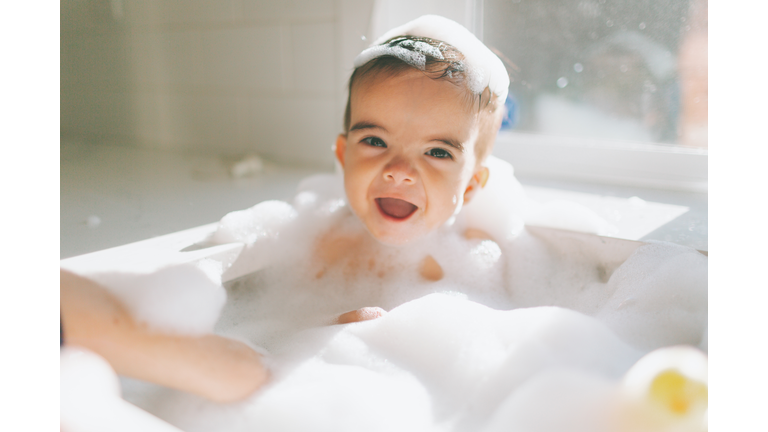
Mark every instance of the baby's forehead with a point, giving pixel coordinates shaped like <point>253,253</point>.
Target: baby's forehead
<point>382,85</point>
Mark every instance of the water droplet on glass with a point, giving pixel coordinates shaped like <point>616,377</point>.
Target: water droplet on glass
<point>562,82</point>
<point>623,68</point>
<point>642,26</point>
<point>609,23</point>
<point>578,67</point>
<point>93,221</point>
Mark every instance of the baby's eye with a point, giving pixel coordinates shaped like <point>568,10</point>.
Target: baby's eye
<point>439,153</point>
<point>374,142</point>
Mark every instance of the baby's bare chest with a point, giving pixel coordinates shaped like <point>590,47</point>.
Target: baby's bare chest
<point>358,256</point>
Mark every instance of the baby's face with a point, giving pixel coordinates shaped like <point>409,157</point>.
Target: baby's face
<point>409,156</point>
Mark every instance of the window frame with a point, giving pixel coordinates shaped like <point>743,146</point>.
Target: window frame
<point>624,163</point>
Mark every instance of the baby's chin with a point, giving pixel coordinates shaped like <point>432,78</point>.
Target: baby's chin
<point>403,237</point>
<point>396,238</point>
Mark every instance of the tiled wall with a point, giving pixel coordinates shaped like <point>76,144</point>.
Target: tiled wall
<point>232,76</point>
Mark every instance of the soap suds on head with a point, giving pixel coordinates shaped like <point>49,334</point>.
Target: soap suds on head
<point>483,68</point>
<point>415,59</point>
<point>411,52</point>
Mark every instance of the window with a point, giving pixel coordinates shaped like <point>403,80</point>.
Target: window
<point>605,90</point>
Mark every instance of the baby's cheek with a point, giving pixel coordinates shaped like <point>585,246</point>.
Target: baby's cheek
<point>446,208</point>
<point>352,189</point>
<point>457,195</point>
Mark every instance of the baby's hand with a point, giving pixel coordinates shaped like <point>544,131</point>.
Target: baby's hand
<point>362,314</point>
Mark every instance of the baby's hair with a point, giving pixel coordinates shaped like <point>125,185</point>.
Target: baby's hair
<point>437,60</point>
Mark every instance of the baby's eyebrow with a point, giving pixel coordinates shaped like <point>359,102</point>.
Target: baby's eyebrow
<point>366,125</point>
<point>453,143</point>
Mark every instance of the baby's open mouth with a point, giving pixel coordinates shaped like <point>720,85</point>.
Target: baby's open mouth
<point>395,208</point>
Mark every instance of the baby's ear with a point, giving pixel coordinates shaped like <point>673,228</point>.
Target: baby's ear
<point>339,148</point>
<point>477,182</point>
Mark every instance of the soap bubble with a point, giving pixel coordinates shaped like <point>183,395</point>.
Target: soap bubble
<point>562,82</point>
<point>578,67</point>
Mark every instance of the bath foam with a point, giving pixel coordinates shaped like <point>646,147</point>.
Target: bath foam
<point>656,298</point>
<point>581,401</point>
<point>660,297</point>
<point>441,363</point>
<point>520,329</point>
<point>469,356</point>
<point>90,397</point>
<point>182,298</point>
<point>501,207</point>
<point>260,224</point>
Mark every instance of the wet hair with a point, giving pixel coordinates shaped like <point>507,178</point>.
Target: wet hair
<point>439,61</point>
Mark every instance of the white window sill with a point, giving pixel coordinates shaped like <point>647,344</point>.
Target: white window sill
<point>591,160</point>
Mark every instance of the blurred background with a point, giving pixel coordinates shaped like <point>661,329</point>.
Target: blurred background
<point>606,69</point>
<point>269,76</point>
<point>161,100</point>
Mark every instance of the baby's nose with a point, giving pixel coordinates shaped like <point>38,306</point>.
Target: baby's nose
<point>399,171</point>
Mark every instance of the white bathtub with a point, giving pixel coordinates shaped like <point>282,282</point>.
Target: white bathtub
<point>636,222</point>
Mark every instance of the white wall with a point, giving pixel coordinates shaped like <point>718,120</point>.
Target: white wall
<point>388,14</point>
<point>230,76</point>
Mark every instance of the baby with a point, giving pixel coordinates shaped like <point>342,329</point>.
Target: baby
<point>425,104</point>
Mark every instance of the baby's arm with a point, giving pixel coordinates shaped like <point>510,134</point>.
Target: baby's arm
<point>211,366</point>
